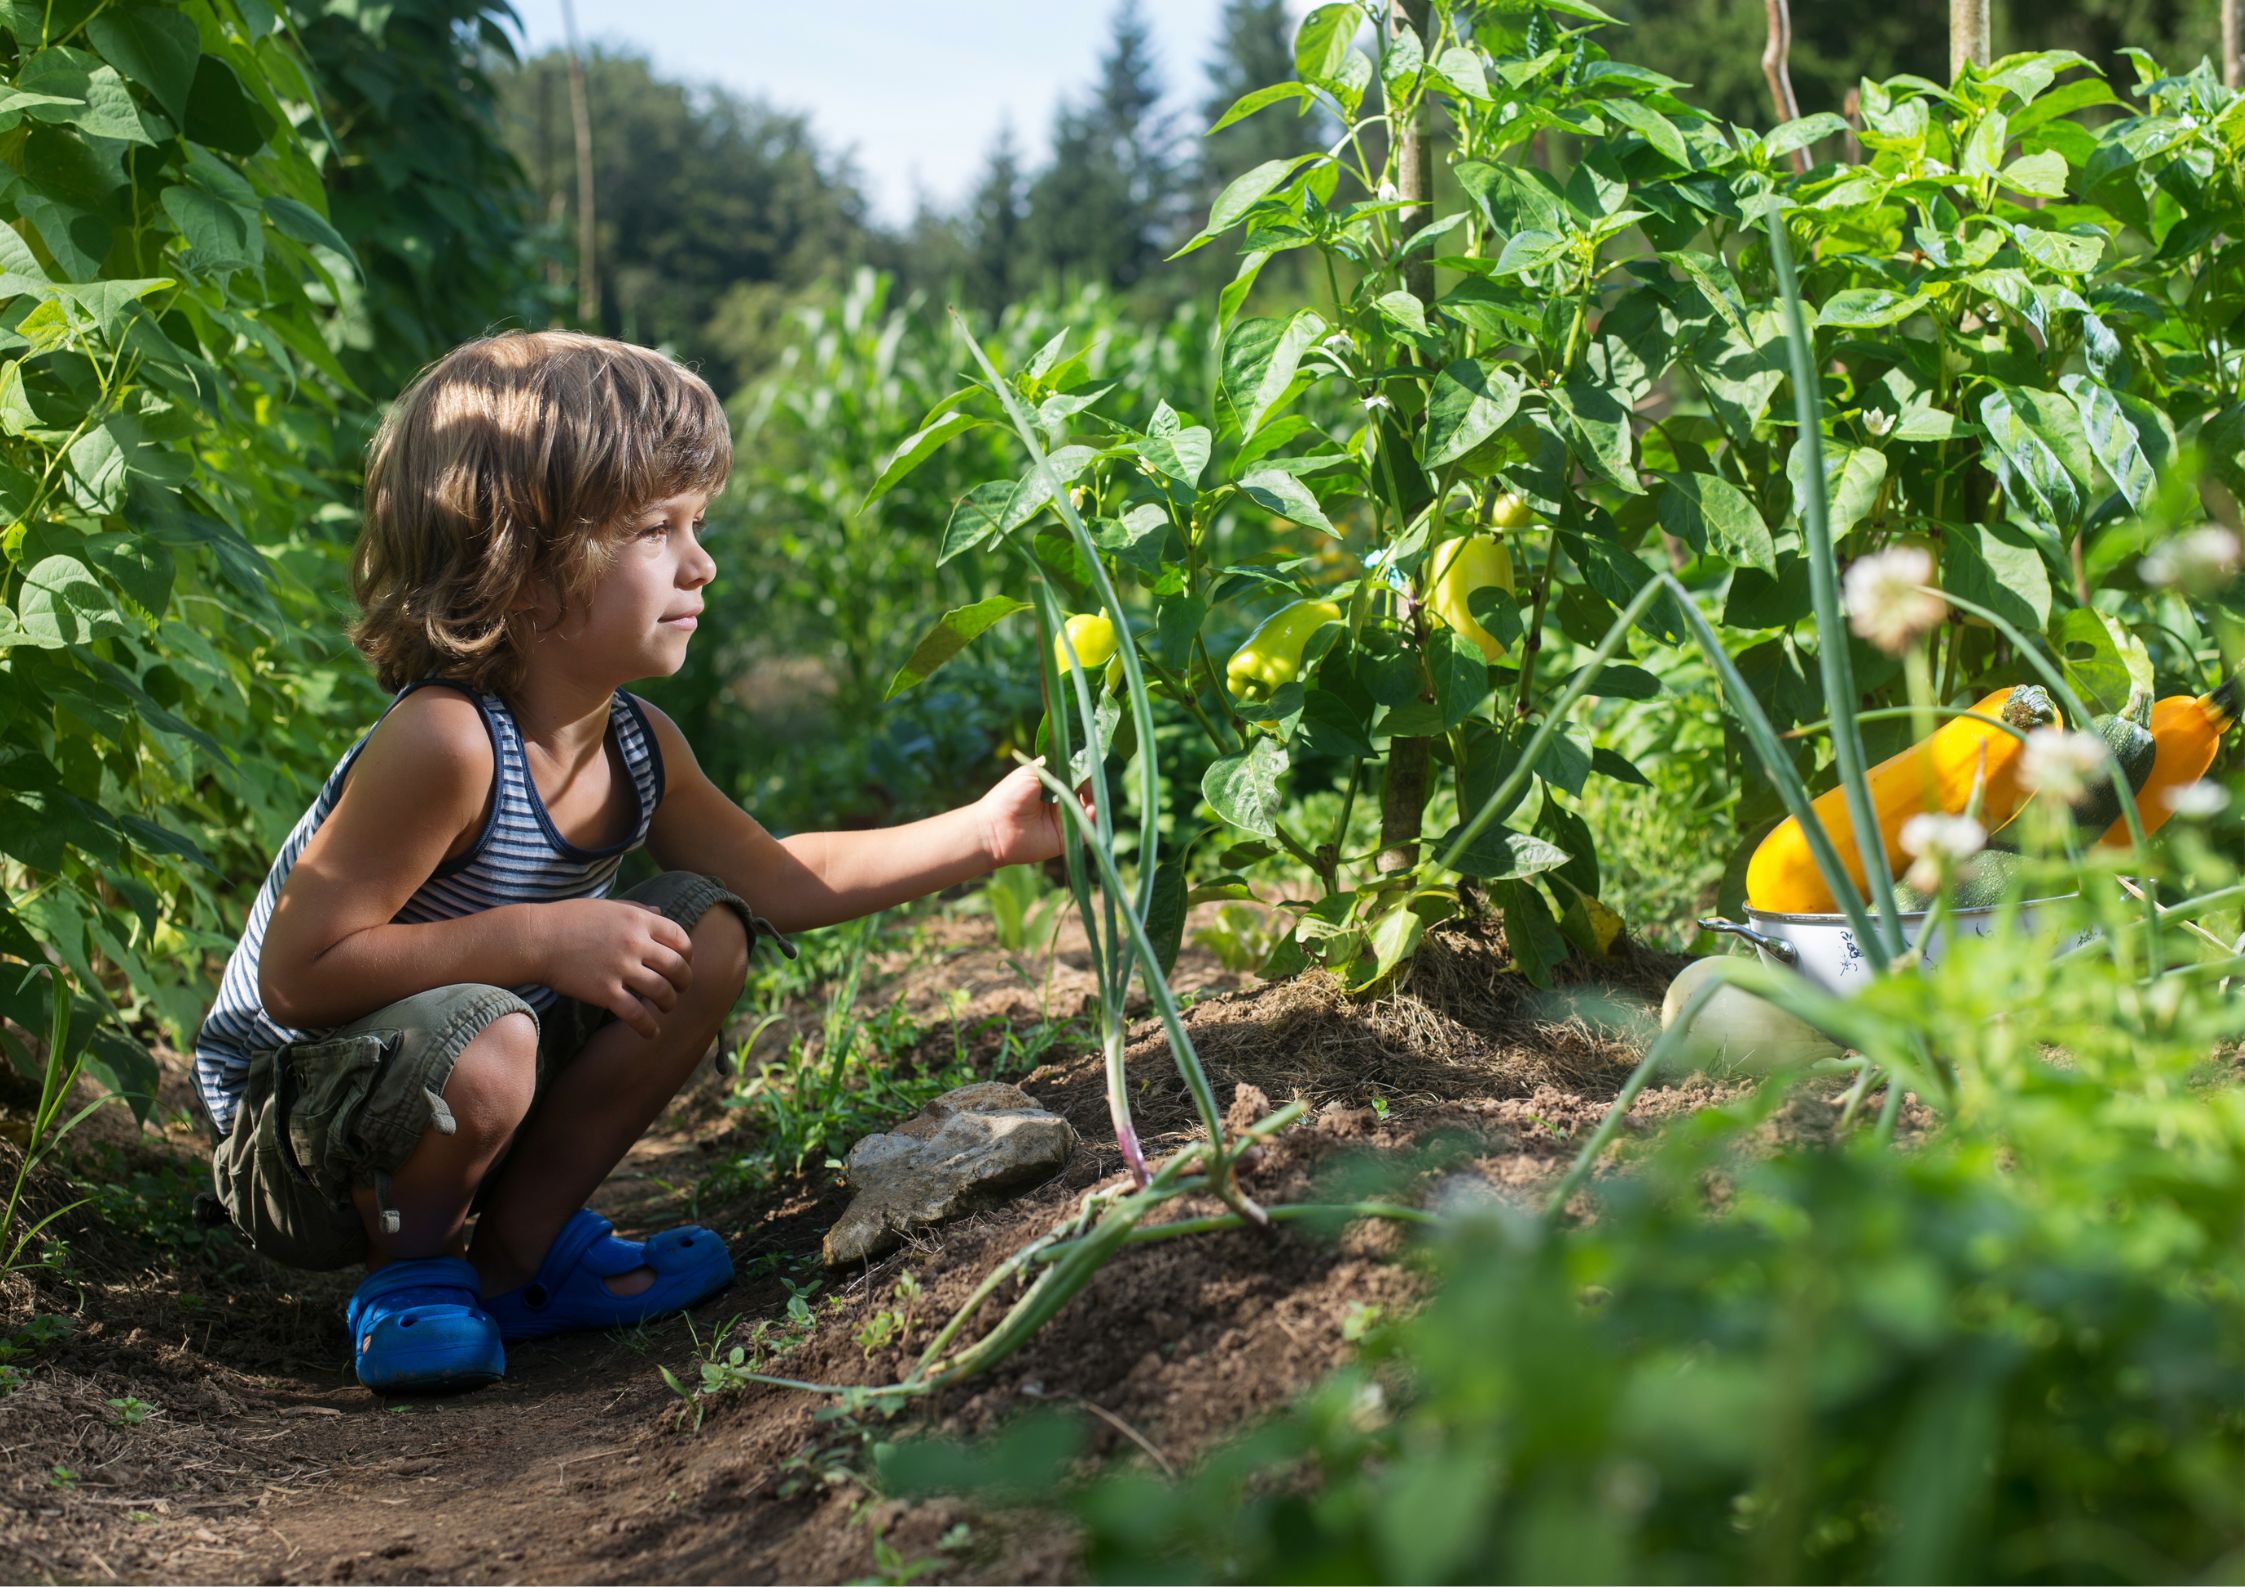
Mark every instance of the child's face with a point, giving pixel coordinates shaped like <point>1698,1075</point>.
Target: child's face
<point>643,610</point>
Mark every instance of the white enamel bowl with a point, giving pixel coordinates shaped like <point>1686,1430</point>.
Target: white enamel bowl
<point>1824,948</point>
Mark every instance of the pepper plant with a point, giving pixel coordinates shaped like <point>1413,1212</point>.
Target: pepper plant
<point>2026,301</point>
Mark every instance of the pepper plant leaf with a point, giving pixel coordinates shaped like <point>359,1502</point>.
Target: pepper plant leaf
<point>952,633</point>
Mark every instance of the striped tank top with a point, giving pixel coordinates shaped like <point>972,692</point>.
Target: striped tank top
<point>518,858</point>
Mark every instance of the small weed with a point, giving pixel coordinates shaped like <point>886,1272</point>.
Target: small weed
<point>893,1570</point>
<point>892,1325</point>
<point>856,1075</point>
<point>1361,1319</point>
<point>130,1412</point>
<point>1380,1109</point>
<point>722,1370</point>
<point>61,1476</point>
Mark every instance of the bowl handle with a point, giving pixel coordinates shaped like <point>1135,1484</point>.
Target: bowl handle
<point>1776,947</point>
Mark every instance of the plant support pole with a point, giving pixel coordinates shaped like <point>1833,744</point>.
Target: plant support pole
<point>1404,793</point>
<point>1968,35</point>
<point>580,112</point>
<point>1775,54</point>
<point>2230,70</point>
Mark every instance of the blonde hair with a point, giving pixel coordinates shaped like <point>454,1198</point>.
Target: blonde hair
<point>508,469</point>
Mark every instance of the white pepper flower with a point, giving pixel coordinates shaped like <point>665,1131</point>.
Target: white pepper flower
<point>2198,563</point>
<point>1885,597</point>
<point>1389,193</point>
<point>2062,763</point>
<point>1932,838</point>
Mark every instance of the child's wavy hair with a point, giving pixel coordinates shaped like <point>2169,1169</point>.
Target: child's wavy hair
<point>506,476</point>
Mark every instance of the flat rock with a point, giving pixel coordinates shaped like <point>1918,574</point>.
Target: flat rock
<point>966,1150</point>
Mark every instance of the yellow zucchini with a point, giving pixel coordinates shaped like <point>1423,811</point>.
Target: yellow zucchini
<point>1935,774</point>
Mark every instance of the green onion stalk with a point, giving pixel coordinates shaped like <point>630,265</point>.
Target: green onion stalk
<point>1118,931</point>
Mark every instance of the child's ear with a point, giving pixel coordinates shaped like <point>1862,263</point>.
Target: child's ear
<point>538,601</point>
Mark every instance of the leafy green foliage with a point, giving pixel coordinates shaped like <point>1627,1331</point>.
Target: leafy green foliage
<point>2011,1352</point>
<point>2022,321</point>
<point>204,290</point>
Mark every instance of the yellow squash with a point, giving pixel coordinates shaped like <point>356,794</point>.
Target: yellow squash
<point>1935,774</point>
<point>2187,730</point>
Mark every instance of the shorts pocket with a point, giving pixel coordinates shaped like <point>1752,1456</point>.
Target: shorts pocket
<point>320,1089</point>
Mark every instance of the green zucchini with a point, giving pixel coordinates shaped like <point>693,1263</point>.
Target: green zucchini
<point>1981,881</point>
<point>2127,735</point>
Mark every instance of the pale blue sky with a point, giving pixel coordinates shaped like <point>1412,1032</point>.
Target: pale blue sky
<point>918,89</point>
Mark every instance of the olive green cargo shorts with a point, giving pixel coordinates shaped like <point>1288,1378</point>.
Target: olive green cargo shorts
<point>346,1109</point>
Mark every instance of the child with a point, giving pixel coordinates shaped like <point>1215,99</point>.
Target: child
<point>436,1009</point>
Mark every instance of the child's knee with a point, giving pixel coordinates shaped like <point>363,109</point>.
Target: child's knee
<point>494,1078</point>
<point>720,953</point>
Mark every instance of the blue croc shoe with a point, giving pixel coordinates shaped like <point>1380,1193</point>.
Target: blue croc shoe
<point>418,1326</point>
<point>570,1291</point>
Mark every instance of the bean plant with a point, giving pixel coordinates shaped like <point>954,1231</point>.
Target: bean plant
<point>227,233</point>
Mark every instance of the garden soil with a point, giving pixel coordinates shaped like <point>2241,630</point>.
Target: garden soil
<point>199,1423</point>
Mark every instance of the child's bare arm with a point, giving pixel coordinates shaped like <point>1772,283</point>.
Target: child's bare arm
<point>818,878</point>
<point>417,794</point>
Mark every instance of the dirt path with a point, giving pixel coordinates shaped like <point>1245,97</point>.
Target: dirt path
<point>200,1423</point>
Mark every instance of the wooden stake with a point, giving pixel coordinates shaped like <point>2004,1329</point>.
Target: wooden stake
<point>1775,52</point>
<point>1403,796</point>
<point>1968,35</point>
<point>2230,69</point>
<point>580,111</point>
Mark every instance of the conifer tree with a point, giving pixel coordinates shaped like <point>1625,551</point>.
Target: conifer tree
<point>997,237</point>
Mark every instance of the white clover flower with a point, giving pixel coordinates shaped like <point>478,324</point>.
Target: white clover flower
<point>1885,602</point>
<point>2062,763</point>
<point>2197,563</point>
<point>2194,801</point>
<point>1932,837</point>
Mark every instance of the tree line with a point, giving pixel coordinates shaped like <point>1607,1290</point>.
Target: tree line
<point>717,210</point>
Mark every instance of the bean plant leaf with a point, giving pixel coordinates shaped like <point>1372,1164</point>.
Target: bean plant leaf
<point>1470,401</point>
<point>153,46</point>
<point>952,633</point>
<point>1706,509</point>
<point>1243,788</point>
<point>62,604</point>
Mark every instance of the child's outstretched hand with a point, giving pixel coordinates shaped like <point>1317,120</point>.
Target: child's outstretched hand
<point>1018,827</point>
